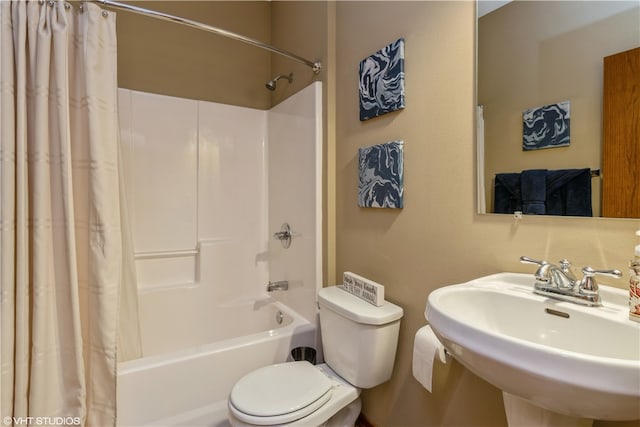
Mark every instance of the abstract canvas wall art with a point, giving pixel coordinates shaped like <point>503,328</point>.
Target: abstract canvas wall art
<point>381,174</point>
<point>382,81</point>
<point>546,127</point>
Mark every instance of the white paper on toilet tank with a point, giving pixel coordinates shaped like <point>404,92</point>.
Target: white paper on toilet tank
<point>363,288</point>
<point>426,347</point>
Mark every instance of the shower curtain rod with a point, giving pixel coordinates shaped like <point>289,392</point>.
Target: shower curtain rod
<point>315,66</point>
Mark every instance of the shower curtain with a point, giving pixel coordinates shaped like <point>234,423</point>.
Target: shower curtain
<point>66,266</point>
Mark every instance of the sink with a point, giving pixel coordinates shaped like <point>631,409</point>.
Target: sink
<point>573,360</point>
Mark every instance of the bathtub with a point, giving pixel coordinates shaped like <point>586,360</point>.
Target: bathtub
<point>190,386</point>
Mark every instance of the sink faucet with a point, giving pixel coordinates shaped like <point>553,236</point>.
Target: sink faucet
<point>559,282</point>
<point>282,285</point>
<point>549,275</point>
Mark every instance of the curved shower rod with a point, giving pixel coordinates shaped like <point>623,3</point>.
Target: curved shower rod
<point>315,65</point>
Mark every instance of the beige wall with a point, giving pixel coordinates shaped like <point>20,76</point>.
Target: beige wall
<point>437,239</point>
<point>170,59</point>
<point>534,53</point>
<point>300,28</point>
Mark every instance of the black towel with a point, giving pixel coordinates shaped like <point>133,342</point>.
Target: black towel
<point>533,187</point>
<point>569,192</point>
<point>506,193</point>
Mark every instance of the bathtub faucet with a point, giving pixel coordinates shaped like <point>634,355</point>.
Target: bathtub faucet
<point>282,285</point>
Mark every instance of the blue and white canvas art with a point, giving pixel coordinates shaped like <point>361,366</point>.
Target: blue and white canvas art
<point>546,127</point>
<point>382,81</point>
<point>381,176</point>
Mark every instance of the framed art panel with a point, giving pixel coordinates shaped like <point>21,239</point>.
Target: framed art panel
<point>382,81</point>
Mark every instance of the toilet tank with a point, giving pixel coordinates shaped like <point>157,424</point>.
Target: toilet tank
<point>359,340</point>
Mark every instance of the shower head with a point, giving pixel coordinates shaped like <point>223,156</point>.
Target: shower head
<point>271,84</point>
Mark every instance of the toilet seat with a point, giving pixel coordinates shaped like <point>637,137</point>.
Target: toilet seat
<point>279,394</point>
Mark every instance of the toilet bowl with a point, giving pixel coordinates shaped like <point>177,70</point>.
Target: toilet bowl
<point>359,341</point>
<point>293,394</point>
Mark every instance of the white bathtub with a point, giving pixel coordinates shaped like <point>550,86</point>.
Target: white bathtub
<point>190,387</point>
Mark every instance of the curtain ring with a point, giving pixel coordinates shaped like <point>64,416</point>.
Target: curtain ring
<point>51,3</point>
<point>105,13</point>
<point>67,5</point>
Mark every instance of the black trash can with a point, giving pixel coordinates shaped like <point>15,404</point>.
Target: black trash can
<point>304,353</point>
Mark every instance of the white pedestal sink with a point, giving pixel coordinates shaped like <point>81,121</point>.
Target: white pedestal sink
<point>522,413</point>
<point>573,361</point>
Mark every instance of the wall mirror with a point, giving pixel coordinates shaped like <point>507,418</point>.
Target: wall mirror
<point>539,55</point>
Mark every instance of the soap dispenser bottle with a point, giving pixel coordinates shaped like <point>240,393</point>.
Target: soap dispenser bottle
<point>634,284</point>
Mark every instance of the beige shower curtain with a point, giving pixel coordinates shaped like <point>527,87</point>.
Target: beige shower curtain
<point>65,265</point>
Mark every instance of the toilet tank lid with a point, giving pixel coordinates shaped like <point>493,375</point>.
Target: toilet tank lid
<point>353,308</point>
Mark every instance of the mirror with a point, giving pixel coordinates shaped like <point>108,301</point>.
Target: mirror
<point>534,54</point>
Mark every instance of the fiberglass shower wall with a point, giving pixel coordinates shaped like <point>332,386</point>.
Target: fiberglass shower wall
<point>295,197</point>
<point>207,186</point>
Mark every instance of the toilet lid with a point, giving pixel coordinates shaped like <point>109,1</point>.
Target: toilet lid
<point>279,393</point>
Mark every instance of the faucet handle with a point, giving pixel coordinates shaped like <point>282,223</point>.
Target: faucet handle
<point>542,273</point>
<point>588,284</point>
<point>527,260</point>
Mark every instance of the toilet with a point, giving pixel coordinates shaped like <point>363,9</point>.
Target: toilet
<point>359,342</point>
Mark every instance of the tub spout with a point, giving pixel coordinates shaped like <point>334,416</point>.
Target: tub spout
<point>282,285</point>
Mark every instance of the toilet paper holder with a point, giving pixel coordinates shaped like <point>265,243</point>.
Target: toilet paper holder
<point>447,354</point>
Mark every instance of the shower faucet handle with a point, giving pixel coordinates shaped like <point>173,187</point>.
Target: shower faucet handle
<point>284,235</point>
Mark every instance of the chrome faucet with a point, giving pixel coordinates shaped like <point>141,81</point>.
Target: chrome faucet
<point>559,282</point>
<point>282,285</point>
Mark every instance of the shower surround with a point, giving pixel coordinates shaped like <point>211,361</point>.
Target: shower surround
<point>208,186</point>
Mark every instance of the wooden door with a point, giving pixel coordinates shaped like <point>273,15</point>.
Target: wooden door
<point>621,135</point>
